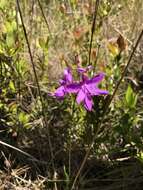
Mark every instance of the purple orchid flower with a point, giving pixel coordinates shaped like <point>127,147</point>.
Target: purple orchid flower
<point>82,70</point>
<point>86,89</point>
<point>67,79</point>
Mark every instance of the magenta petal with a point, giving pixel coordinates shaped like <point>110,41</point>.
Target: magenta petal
<point>90,67</point>
<point>100,92</point>
<point>93,90</point>
<point>81,96</point>
<point>88,103</point>
<point>81,70</point>
<point>67,75</point>
<point>62,82</point>
<point>51,94</point>
<point>73,88</point>
<point>60,92</point>
<point>96,79</point>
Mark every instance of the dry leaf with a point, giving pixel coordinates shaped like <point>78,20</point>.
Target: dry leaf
<point>63,8</point>
<point>121,43</point>
<point>78,33</point>
<point>93,53</point>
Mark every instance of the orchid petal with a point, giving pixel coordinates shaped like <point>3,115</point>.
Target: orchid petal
<point>68,76</point>
<point>90,67</point>
<point>60,92</point>
<point>88,103</point>
<point>85,78</point>
<point>90,88</point>
<point>96,79</point>
<point>51,94</point>
<point>81,96</point>
<point>100,92</point>
<point>81,70</point>
<point>73,88</point>
<point>62,82</point>
<point>94,91</point>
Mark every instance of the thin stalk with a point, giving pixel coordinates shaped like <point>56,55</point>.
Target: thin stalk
<point>23,152</point>
<point>43,14</point>
<point>97,56</point>
<point>93,29</point>
<point>105,111</point>
<point>70,139</point>
<point>37,82</point>
<point>47,24</point>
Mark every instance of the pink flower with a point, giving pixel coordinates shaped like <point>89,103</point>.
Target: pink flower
<point>86,89</point>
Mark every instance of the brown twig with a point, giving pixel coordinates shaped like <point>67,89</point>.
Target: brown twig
<point>23,152</point>
<point>93,29</point>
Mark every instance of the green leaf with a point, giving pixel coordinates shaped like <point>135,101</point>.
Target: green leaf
<point>1,105</point>
<point>11,86</point>
<point>8,28</point>
<point>43,43</point>
<point>13,25</point>
<point>10,41</point>
<point>23,118</point>
<point>130,97</point>
<point>3,4</point>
